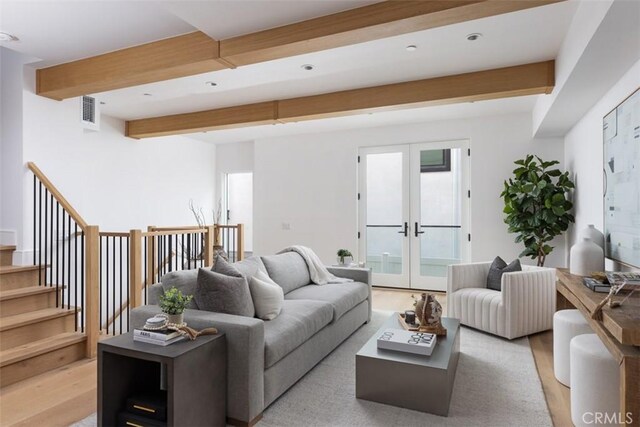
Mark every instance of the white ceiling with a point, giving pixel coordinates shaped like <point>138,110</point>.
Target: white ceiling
<point>59,31</point>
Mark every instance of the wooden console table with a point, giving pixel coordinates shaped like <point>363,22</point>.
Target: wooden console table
<point>619,330</point>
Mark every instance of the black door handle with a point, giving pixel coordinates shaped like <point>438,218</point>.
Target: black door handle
<point>405,231</point>
<point>416,230</point>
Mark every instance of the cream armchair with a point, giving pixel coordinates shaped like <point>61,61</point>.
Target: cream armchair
<point>524,306</point>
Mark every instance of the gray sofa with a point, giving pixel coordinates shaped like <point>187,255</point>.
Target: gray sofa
<point>265,358</point>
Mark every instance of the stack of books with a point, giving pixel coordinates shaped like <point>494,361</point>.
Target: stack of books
<point>407,341</point>
<point>162,337</point>
<point>595,285</point>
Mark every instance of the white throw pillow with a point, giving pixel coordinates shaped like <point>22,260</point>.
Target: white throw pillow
<point>268,297</point>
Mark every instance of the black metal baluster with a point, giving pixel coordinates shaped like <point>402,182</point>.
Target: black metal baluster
<point>46,233</point>
<point>106,307</point>
<point>63,245</point>
<point>170,250</point>
<point>120,241</point>
<point>82,279</point>
<point>113,313</point>
<point>34,219</point>
<point>52,247</point>
<point>189,256</point>
<point>158,258</point>
<point>182,249</point>
<point>56,245</point>
<point>75,271</point>
<point>128,262</point>
<point>146,270</point>
<point>69,261</point>
<point>40,235</point>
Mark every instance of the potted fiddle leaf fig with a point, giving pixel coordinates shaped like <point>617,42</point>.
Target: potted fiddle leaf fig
<point>344,256</point>
<point>173,303</point>
<point>536,205</point>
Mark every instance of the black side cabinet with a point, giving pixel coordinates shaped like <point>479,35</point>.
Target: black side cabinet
<point>190,375</point>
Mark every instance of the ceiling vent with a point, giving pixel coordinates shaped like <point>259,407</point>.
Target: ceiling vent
<point>89,113</point>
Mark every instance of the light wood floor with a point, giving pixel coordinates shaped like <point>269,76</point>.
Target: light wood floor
<point>556,394</point>
<point>41,400</point>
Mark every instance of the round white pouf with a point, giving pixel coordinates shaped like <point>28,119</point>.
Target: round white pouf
<point>566,325</point>
<point>595,383</point>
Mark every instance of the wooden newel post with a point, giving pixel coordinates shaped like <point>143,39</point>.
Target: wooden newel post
<point>217,233</point>
<point>240,245</point>
<point>208,245</point>
<point>135,268</point>
<point>151,257</point>
<point>92,291</point>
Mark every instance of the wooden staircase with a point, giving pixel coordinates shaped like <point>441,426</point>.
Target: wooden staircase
<point>35,335</point>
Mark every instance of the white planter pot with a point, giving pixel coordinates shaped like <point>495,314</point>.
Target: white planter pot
<point>177,319</point>
<point>585,258</point>
<point>594,234</point>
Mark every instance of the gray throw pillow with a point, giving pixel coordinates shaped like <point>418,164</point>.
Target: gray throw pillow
<point>249,267</point>
<point>223,266</point>
<point>185,281</point>
<point>497,269</point>
<point>223,294</point>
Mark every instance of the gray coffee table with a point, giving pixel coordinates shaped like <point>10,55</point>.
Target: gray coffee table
<point>422,383</point>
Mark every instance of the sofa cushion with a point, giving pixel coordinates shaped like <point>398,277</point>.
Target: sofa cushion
<point>298,321</point>
<point>342,296</point>
<point>223,294</point>
<point>183,280</point>
<point>248,267</point>
<point>289,270</point>
<point>497,269</point>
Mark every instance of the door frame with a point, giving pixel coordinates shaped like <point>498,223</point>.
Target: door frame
<point>410,277</point>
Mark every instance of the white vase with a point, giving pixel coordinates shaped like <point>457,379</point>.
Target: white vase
<point>585,258</point>
<point>594,234</point>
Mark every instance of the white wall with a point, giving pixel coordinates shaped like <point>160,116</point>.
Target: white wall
<point>583,155</point>
<point>310,183</point>
<point>11,64</point>
<point>114,182</point>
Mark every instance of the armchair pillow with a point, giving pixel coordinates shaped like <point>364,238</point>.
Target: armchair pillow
<point>223,294</point>
<point>497,269</point>
<point>268,297</point>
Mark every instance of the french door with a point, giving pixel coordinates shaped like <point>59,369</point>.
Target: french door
<point>414,212</point>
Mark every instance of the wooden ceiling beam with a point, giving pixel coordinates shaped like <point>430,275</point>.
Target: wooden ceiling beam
<point>196,53</point>
<point>377,21</point>
<point>185,55</point>
<point>528,79</point>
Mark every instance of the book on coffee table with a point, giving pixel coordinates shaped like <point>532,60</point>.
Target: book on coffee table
<point>160,335</point>
<point>407,341</point>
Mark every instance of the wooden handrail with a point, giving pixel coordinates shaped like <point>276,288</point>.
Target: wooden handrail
<point>113,234</point>
<point>57,195</point>
<point>186,227</point>
<point>175,232</point>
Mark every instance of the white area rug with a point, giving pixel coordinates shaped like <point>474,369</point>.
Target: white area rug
<point>496,385</point>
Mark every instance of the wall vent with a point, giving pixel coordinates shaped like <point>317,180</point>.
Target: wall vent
<point>89,113</point>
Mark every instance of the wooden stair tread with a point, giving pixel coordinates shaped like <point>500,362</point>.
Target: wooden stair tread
<point>8,269</point>
<point>23,292</point>
<point>23,319</point>
<point>36,348</point>
<point>58,397</point>
<point>7,247</point>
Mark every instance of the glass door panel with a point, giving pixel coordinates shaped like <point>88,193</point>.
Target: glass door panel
<point>438,208</point>
<point>385,204</point>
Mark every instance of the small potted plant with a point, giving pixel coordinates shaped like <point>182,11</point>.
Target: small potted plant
<point>344,257</point>
<point>173,303</point>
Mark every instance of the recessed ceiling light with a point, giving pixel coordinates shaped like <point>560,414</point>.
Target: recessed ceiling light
<point>307,67</point>
<point>211,84</point>
<point>473,36</point>
<point>6,37</point>
<point>411,47</point>
<point>147,94</point>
